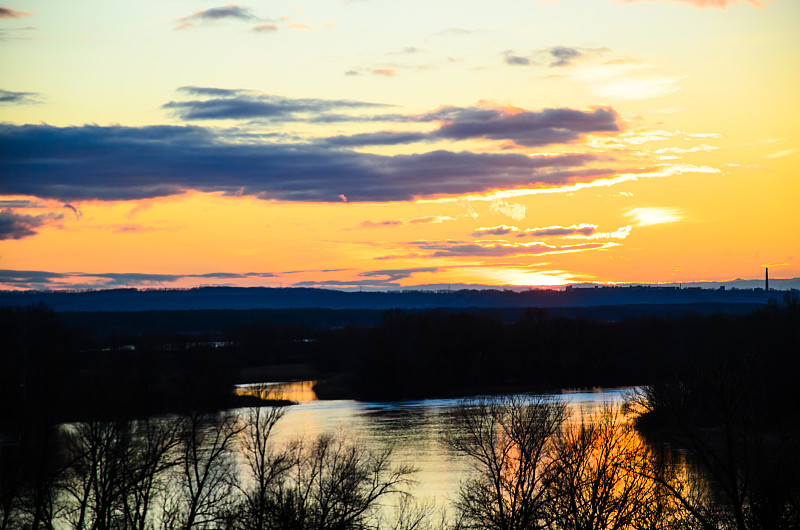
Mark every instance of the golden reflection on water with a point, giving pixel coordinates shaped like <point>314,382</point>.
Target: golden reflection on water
<point>297,391</point>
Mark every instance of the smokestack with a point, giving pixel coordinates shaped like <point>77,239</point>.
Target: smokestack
<point>766,280</point>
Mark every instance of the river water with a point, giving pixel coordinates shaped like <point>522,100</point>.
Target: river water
<point>416,430</point>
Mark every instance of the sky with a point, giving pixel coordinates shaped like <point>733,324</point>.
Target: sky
<point>385,145</point>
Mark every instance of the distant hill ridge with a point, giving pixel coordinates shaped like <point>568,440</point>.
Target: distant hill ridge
<point>301,297</point>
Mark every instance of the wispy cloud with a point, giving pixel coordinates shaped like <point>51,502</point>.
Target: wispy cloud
<point>781,154</point>
<point>513,210</point>
<point>582,229</point>
<point>500,249</point>
<point>6,12</point>
<point>237,104</point>
<point>264,27</point>
<point>639,88</point>
<point>393,275</point>
<point>15,225</point>
<point>431,219</point>
<point>552,57</point>
<point>8,97</point>
<point>501,230</point>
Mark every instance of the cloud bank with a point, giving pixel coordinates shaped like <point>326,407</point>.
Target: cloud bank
<point>125,163</point>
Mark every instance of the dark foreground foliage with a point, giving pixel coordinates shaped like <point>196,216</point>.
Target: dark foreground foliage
<point>145,447</point>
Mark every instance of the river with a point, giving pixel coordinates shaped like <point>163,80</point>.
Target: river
<point>416,430</point>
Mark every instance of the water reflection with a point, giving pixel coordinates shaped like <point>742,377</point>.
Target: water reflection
<point>416,430</point>
<point>297,391</point>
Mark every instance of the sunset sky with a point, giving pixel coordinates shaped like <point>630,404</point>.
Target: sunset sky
<point>387,144</point>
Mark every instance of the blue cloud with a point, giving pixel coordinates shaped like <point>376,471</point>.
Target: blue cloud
<point>118,163</point>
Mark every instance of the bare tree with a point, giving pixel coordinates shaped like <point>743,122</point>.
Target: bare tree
<point>738,474</point>
<point>510,441</point>
<point>205,484</point>
<point>98,451</point>
<point>153,454</point>
<point>332,484</point>
<point>262,464</point>
<point>598,482</point>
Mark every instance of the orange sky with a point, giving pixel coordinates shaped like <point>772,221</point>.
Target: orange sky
<point>527,144</point>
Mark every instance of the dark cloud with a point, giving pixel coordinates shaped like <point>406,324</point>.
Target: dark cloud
<point>398,274</point>
<point>106,280</point>
<point>353,284</point>
<point>78,213</point>
<point>526,128</point>
<point>8,97</point>
<point>19,203</point>
<point>563,56</point>
<point>120,163</point>
<point>10,13</point>
<point>28,278</point>
<point>230,11</point>
<point>15,225</point>
<point>516,60</point>
<point>228,104</point>
<point>212,91</point>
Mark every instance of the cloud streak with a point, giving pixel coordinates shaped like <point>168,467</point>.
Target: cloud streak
<point>238,104</point>
<point>6,12</point>
<point>500,249</point>
<point>28,279</point>
<point>8,97</point>
<point>582,229</point>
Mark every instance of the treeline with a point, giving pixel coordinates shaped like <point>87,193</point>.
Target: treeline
<point>71,373</point>
<point>446,353</point>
